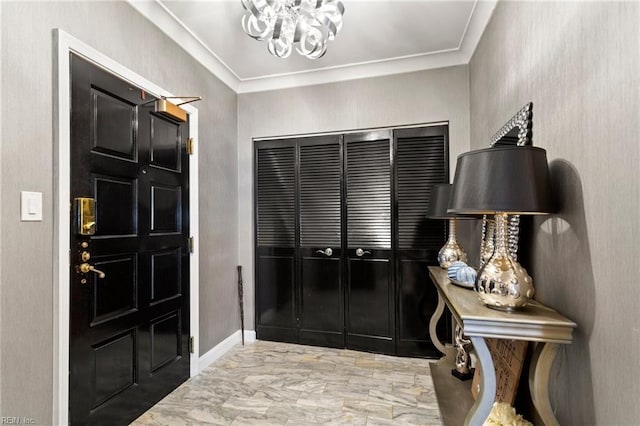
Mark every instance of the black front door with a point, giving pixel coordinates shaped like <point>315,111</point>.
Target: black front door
<point>129,326</point>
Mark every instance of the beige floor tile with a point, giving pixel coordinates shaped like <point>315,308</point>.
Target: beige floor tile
<point>269,383</point>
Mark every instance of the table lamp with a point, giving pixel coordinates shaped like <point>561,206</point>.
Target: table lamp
<point>438,204</point>
<point>501,181</point>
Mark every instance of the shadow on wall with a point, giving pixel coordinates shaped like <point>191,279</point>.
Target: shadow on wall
<point>563,272</point>
<point>469,234</point>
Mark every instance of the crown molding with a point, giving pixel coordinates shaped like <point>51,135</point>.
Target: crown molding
<point>353,71</point>
<point>169,24</point>
<point>478,21</point>
<point>160,16</point>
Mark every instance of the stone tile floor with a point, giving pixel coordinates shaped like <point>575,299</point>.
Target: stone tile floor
<point>268,383</point>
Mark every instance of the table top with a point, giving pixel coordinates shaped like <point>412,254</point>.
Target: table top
<point>535,322</point>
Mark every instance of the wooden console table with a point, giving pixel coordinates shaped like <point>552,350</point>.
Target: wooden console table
<point>533,323</point>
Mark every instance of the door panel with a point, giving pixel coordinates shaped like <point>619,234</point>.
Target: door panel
<point>116,205</point>
<point>115,361</point>
<point>421,161</point>
<point>277,291</point>
<point>320,192</point>
<point>321,317</point>
<point>369,190</point>
<point>113,125</point>
<point>165,144</point>
<point>370,301</point>
<point>321,312</point>
<point>416,303</point>
<point>369,294</point>
<point>120,272</point>
<point>166,209</point>
<point>166,275</point>
<point>165,340</point>
<point>129,329</point>
<point>275,196</point>
<point>275,200</point>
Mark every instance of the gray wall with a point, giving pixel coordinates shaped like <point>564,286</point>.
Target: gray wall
<point>26,154</point>
<point>1,56</point>
<point>420,97</point>
<point>579,62</point>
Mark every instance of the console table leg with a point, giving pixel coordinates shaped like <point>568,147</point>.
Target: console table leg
<point>482,407</point>
<point>434,322</point>
<point>463,361</point>
<point>541,363</point>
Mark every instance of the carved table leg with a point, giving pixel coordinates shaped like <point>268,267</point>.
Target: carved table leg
<point>463,362</point>
<point>434,322</point>
<point>543,356</point>
<point>482,407</point>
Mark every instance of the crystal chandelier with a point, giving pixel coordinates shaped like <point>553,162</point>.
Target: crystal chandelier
<point>306,24</point>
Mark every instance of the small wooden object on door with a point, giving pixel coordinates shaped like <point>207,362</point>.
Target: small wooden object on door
<point>171,110</point>
<point>508,359</point>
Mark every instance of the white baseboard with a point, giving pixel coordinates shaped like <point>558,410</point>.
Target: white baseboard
<point>223,347</point>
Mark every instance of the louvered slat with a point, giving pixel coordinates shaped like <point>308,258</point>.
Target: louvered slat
<point>420,165</point>
<point>369,194</point>
<point>320,204</point>
<point>275,195</point>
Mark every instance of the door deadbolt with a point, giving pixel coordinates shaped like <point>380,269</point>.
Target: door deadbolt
<point>85,215</point>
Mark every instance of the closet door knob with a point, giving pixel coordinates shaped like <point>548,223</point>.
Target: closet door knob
<point>360,252</point>
<point>327,252</point>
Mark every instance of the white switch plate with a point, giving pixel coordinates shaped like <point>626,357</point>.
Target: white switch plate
<point>30,206</point>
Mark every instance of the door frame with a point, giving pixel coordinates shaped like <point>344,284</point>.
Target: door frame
<point>63,44</point>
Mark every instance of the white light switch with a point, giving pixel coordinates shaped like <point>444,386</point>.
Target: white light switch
<point>30,206</point>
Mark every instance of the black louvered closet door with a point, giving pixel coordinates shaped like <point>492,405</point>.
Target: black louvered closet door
<point>321,313</point>
<point>276,316</point>
<point>370,309</point>
<point>342,241</point>
<point>421,161</point>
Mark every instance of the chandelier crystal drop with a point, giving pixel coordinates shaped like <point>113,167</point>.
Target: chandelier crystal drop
<point>307,25</point>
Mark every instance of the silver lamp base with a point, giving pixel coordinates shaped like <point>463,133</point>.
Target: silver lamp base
<point>451,251</point>
<point>502,282</point>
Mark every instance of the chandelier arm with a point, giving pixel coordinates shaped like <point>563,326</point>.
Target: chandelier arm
<point>251,25</point>
<point>251,7</point>
<point>277,29</point>
<point>307,25</point>
<point>328,23</point>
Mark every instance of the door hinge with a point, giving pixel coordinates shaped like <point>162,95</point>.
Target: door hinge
<point>190,146</point>
<point>192,244</point>
<point>191,344</point>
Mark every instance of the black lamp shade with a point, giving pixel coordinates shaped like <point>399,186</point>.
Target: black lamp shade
<point>439,202</point>
<point>510,179</point>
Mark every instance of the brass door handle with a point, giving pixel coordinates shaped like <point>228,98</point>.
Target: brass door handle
<point>88,227</point>
<point>85,268</point>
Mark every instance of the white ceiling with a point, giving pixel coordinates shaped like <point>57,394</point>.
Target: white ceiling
<point>377,38</point>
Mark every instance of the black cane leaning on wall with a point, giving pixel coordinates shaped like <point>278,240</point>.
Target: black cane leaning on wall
<point>241,301</point>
